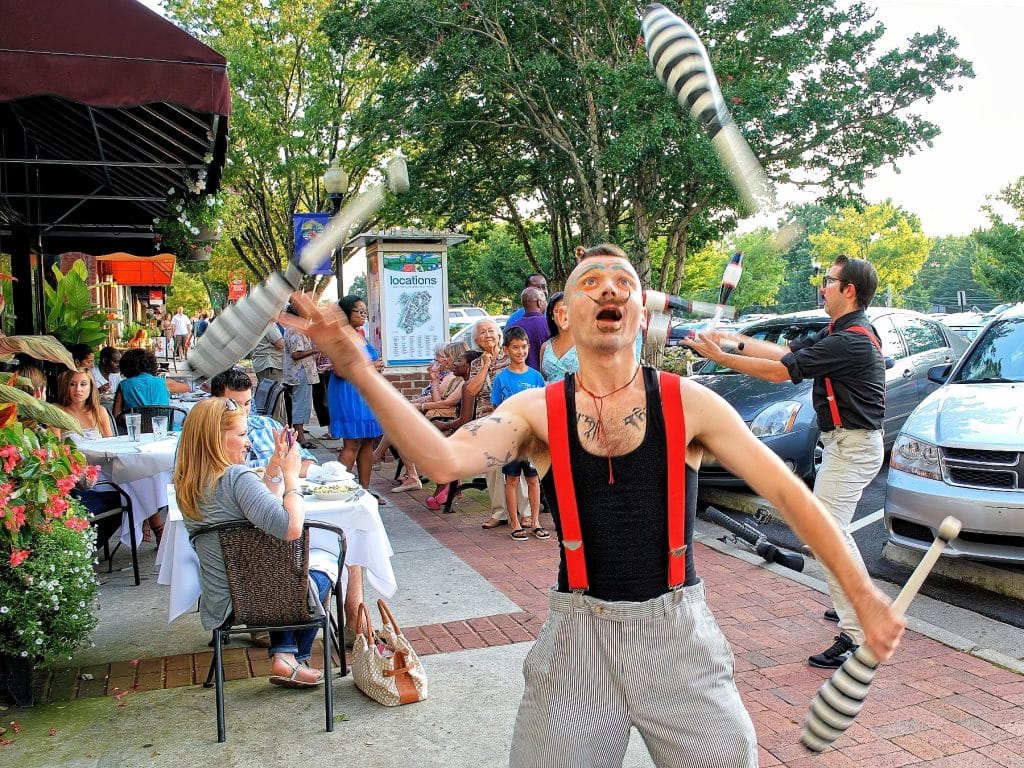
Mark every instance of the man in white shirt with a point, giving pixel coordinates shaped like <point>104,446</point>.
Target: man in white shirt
<point>182,328</point>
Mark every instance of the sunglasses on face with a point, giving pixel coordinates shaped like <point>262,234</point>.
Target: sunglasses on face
<point>828,280</point>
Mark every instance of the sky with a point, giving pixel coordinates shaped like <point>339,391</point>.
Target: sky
<point>979,150</point>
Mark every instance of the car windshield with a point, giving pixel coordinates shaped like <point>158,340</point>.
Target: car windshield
<point>774,334</point>
<point>998,356</point>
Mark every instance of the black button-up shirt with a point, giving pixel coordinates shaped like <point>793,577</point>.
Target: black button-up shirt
<point>855,366</point>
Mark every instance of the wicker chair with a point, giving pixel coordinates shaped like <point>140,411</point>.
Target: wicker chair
<point>270,589</point>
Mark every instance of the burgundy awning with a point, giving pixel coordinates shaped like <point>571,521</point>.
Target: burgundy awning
<point>106,53</point>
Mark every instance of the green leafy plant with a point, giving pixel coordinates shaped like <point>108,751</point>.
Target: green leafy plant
<point>71,314</point>
<point>47,586</point>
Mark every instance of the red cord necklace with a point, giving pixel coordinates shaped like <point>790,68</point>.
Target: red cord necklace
<point>601,433</point>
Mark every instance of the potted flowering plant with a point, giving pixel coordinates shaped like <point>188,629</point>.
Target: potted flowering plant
<point>47,585</point>
<point>192,223</point>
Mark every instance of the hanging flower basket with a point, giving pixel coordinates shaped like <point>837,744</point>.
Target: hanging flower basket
<point>208,235</point>
<point>192,219</point>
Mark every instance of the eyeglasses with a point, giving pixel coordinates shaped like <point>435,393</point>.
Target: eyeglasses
<point>362,312</point>
<point>827,280</point>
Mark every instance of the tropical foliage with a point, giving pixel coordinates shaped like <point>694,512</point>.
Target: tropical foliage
<point>71,314</point>
<point>47,586</point>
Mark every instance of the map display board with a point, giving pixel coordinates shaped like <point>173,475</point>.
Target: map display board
<point>414,316</point>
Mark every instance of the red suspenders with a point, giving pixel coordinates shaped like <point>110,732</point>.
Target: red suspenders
<point>836,421</point>
<point>565,491</point>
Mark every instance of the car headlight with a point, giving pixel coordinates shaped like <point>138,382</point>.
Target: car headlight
<point>776,419</point>
<point>915,456</point>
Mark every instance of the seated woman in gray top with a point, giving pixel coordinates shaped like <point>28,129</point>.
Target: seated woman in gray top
<point>213,485</point>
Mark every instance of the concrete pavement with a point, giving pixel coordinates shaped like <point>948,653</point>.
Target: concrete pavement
<point>471,600</point>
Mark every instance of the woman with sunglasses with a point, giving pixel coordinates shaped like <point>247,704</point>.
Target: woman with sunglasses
<point>351,417</point>
<point>213,485</point>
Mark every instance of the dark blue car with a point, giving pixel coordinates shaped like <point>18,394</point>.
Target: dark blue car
<point>781,414</point>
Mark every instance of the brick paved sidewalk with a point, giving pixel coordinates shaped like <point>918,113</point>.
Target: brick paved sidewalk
<point>932,705</point>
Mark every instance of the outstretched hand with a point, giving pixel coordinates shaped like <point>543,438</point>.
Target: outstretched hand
<point>706,345</point>
<point>330,330</point>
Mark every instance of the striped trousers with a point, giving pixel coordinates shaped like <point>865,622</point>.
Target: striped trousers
<point>662,666</point>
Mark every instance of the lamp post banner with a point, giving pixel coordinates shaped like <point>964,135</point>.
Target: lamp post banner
<point>308,227</point>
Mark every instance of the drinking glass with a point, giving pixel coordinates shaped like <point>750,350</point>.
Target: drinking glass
<point>159,427</point>
<point>134,423</point>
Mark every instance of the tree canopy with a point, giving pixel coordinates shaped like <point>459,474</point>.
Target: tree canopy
<point>1000,264</point>
<point>551,106</point>
<point>885,235</point>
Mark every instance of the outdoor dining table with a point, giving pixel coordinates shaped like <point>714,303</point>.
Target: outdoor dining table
<point>368,546</point>
<point>143,469</point>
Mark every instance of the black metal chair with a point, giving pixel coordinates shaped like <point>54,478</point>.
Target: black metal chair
<point>105,512</point>
<point>265,397</point>
<point>270,590</point>
<point>175,416</point>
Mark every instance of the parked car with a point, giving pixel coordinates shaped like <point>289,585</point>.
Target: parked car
<point>461,315</point>
<point>961,452</point>
<point>967,324</point>
<point>781,415</point>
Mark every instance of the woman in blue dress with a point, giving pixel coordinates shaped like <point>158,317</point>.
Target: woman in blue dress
<point>351,417</point>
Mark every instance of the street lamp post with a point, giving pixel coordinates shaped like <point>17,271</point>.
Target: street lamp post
<point>815,271</point>
<point>336,183</point>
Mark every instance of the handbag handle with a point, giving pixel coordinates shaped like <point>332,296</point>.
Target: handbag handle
<point>387,617</point>
<point>364,626</point>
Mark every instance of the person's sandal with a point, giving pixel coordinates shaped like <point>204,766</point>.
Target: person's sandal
<point>292,681</point>
<point>493,522</point>
<point>540,533</point>
<point>158,532</point>
<point>519,534</point>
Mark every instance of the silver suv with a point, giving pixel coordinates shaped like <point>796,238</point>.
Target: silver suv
<point>961,452</point>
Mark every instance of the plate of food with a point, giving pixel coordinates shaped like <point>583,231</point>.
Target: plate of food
<point>342,491</point>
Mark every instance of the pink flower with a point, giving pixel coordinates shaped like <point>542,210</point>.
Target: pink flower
<point>15,518</point>
<point>57,506</point>
<point>41,453</point>
<point>18,556</point>
<point>65,484</point>
<point>92,473</point>
<point>76,524</point>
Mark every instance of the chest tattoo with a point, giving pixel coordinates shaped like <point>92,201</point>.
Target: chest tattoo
<point>589,425</point>
<point>636,418</point>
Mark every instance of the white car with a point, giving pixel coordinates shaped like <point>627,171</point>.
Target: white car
<point>961,452</point>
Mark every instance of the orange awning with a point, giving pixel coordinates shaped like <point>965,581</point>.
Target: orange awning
<point>127,269</point>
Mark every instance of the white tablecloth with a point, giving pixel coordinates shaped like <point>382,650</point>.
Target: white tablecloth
<point>143,469</point>
<point>368,546</point>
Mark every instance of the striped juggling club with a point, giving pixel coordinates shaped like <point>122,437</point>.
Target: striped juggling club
<point>682,64</point>
<point>841,697</point>
<point>240,327</point>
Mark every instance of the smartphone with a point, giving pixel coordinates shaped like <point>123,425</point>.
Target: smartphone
<point>291,439</point>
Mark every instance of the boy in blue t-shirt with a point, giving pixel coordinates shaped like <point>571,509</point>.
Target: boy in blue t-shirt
<point>517,377</point>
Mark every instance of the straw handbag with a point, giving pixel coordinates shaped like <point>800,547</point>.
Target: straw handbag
<point>384,665</point>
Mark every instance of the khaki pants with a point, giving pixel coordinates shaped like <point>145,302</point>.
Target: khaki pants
<point>850,461</point>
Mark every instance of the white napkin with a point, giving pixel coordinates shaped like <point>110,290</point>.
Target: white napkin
<point>329,472</point>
